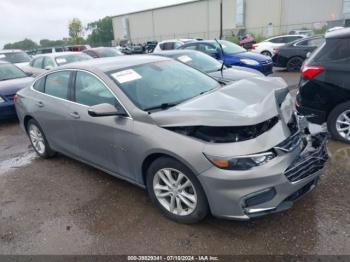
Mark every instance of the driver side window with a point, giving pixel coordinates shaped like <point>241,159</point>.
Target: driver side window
<point>91,91</point>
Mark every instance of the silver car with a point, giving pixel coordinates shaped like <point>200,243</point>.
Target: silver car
<point>196,146</point>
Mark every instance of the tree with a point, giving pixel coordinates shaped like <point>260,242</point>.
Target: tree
<point>25,44</point>
<point>101,32</point>
<point>51,43</point>
<point>75,30</point>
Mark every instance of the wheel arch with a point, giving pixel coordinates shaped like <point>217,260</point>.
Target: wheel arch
<point>156,155</point>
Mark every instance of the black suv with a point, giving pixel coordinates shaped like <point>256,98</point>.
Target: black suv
<point>324,87</point>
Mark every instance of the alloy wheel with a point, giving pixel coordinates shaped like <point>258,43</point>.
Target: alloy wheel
<point>343,125</point>
<point>175,191</point>
<point>37,139</point>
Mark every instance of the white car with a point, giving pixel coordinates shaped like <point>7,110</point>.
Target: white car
<point>171,44</point>
<point>267,47</point>
<point>42,63</point>
<point>15,56</point>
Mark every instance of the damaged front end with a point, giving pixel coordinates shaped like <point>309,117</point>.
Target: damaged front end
<point>225,134</point>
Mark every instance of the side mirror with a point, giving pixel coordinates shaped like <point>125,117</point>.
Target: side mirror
<point>105,110</point>
<point>308,54</point>
<point>48,67</point>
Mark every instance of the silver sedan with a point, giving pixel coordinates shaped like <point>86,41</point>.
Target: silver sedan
<point>197,146</point>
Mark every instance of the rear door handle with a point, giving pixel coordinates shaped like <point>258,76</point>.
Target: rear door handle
<point>75,115</point>
<point>40,104</point>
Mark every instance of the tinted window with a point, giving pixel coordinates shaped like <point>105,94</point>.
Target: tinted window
<point>167,46</point>
<point>289,39</point>
<point>9,71</point>
<point>57,84</point>
<point>229,47</point>
<point>276,40</point>
<point>16,57</point>
<point>199,61</point>
<point>208,49</point>
<point>108,52</point>
<point>190,47</point>
<point>48,62</point>
<point>59,49</point>
<point>90,53</point>
<point>38,62</point>
<point>40,85</point>
<point>315,42</point>
<point>91,91</point>
<point>66,59</point>
<point>164,82</point>
<point>44,51</point>
<point>335,50</point>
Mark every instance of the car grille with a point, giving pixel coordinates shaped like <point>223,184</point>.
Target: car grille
<point>309,162</point>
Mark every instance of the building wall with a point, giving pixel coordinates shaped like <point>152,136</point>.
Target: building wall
<point>201,18</point>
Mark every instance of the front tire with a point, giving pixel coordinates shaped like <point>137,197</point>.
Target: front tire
<point>38,140</point>
<point>338,122</point>
<point>176,191</point>
<point>266,53</point>
<point>294,64</point>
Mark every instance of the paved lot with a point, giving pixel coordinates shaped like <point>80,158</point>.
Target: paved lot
<point>61,206</point>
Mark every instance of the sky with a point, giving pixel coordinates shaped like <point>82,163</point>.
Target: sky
<point>49,19</point>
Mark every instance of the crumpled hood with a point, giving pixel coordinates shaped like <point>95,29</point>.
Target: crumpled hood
<point>10,87</point>
<point>245,102</point>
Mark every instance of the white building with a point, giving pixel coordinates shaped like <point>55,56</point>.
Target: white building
<point>201,18</point>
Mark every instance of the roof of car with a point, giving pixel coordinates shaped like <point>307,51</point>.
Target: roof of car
<point>97,48</point>
<point>340,33</point>
<point>115,63</point>
<point>57,54</point>
<point>6,51</point>
<point>175,52</point>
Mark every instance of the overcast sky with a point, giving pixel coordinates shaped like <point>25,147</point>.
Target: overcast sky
<point>48,19</point>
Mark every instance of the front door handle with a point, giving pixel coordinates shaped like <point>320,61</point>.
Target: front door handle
<point>75,115</point>
<point>40,104</point>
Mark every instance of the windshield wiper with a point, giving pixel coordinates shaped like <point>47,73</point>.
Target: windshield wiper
<point>162,106</point>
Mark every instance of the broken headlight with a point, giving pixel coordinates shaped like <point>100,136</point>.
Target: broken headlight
<point>241,162</point>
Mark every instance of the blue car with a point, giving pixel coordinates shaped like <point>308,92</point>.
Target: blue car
<point>233,55</point>
<point>12,79</point>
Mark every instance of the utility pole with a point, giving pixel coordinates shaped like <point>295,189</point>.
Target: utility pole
<point>221,33</point>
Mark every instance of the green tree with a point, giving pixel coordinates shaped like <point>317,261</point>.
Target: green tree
<point>25,44</point>
<point>51,43</point>
<point>101,32</point>
<point>75,30</point>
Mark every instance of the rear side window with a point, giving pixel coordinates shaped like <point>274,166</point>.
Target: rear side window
<point>167,46</point>
<point>91,91</point>
<point>190,47</point>
<point>57,84</point>
<point>38,62</point>
<point>276,40</point>
<point>335,50</point>
<point>39,85</point>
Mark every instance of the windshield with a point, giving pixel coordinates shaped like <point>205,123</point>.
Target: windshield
<point>162,84</point>
<point>199,61</point>
<point>9,71</point>
<point>108,52</point>
<point>229,47</point>
<point>15,57</point>
<point>66,59</point>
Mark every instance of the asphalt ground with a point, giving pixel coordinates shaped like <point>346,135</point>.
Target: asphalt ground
<point>61,206</point>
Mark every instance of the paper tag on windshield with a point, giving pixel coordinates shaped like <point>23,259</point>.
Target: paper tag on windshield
<point>184,59</point>
<point>126,76</point>
<point>61,60</point>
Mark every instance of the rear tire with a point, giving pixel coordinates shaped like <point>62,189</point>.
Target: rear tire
<point>176,191</point>
<point>338,122</point>
<point>38,140</point>
<point>294,64</point>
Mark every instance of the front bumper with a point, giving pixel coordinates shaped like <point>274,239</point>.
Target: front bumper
<point>270,188</point>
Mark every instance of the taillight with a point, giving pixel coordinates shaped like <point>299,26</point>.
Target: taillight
<point>310,72</point>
